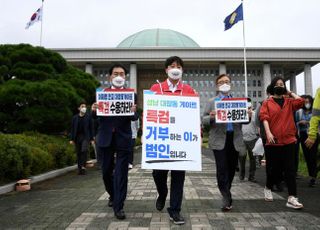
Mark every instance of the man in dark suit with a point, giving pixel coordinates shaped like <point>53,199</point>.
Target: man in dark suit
<point>81,136</point>
<point>114,136</point>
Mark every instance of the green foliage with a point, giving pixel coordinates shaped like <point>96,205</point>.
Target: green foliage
<point>39,91</point>
<point>23,155</point>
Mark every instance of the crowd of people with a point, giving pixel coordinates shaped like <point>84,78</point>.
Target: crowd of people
<point>282,122</point>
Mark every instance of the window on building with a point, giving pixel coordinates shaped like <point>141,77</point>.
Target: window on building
<point>254,83</point>
<point>259,82</point>
<point>258,73</point>
<point>254,94</point>
<point>259,94</point>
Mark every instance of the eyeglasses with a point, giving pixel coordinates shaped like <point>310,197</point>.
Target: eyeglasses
<point>223,82</point>
<point>118,74</point>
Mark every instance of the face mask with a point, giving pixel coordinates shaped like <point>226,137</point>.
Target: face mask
<point>175,74</point>
<point>308,106</point>
<point>225,88</point>
<point>83,110</point>
<point>249,105</point>
<point>118,81</point>
<point>279,90</point>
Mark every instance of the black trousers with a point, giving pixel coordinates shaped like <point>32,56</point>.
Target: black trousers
<point>310,155</point>
<point>176,187</point>
<point>82,152</point>
<point>226,163</point>
<point>115,175</point>
<point>133,143</point>
<point>281,160</point>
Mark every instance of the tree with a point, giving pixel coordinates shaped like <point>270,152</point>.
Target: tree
<point>39,90</point>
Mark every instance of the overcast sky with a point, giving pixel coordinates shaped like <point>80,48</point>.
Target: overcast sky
<point>105,23</point>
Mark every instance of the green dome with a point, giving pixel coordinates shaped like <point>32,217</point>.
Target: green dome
<point>157,38</point>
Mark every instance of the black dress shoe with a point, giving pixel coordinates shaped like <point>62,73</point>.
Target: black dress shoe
<point>226,208</point>
<point>120,215</point>
<point>160,203</point>
<point>110,203</point>
<point>177,218</point>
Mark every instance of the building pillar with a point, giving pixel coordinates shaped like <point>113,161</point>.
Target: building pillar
<point>133,76</point>
<point>89,68</point>
<point>307,80</point>
<point>222,68</point>
<point>266,78</point>
<point>293,84</point>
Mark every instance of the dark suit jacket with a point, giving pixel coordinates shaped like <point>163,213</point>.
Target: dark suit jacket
<point>88,130</point>
<point>117,127</point>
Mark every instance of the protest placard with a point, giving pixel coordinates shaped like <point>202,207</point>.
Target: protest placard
<point>171,132</point>
<point>114,102</point>
<point>231,110</point>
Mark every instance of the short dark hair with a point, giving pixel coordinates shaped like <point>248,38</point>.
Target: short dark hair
<point>274,82</point>
<point>221,76</point>
<point>117,65</point>
<point>268,90</point>
<point>248,99</point>
<point>173,59</point>
<point>310,99</point>
<point>82,103</point>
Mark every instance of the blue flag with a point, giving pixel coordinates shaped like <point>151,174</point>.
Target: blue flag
<point>233,18</point>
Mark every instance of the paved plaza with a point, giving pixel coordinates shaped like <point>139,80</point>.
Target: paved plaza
<point>80,202</point>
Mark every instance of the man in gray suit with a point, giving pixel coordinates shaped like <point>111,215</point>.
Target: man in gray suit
<point>226,141</point>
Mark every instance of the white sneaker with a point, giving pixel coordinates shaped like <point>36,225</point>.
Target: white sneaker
<point>294,203</point>
<point>130,166</point>
<point>268,194</point>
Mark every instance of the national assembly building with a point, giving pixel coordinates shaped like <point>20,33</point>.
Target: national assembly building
<point>145,52</point>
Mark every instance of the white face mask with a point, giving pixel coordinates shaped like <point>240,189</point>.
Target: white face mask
<point>249,104</point>
<point>118,81</point>
<point>225,88</point>
<point>175,74</point>
<point>308,106</point>
<point>83,110</point>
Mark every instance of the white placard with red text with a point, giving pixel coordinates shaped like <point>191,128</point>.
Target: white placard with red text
<point>171,132</point>
<point>231,110</point>
<point>114,102</point>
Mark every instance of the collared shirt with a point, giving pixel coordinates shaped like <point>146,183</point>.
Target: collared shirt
<point>229,125</point>
<point>172,87</point>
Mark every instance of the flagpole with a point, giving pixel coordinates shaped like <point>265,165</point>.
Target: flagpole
<point>244,54</point>
<point>41,23</point>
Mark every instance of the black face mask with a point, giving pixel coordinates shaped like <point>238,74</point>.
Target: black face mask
<point>279,90</point>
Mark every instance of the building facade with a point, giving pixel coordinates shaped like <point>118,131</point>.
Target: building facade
<point>144,54</point>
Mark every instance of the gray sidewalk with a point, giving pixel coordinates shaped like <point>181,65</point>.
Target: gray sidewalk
<point>79,202</point>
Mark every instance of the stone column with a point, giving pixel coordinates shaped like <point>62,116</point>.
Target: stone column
<point>307,79</point>
<point>133,76</point>
<point>89,68</point>
<point>293,84</point>
<point>222,68</point>
<point>266,79</point>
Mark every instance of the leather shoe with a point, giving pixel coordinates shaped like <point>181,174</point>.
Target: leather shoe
<point>120,215</point>
<point>110,203</point>
<point>160,203</point>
